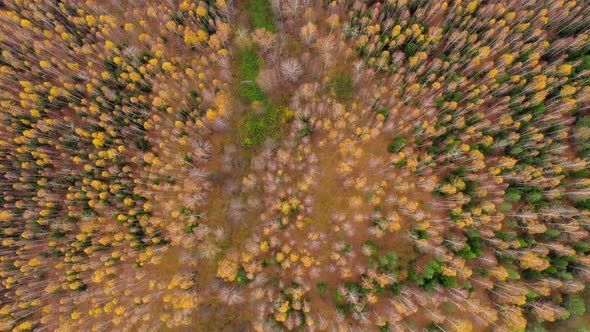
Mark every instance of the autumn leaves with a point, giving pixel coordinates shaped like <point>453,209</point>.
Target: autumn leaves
<point>425,162</point>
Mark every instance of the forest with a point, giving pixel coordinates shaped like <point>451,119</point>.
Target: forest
<point>295,165</point>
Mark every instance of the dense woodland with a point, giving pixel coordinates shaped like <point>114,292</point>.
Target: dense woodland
<point>272,165</point>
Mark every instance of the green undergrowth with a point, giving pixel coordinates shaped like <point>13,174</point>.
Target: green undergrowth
<point>261,15</point>
<point>256,126</point>
<point>249,64</point>
<point>341,87</point>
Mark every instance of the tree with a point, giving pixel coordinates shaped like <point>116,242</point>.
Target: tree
<point>308,33</point>
<point>575,305</point>
<point>291,69</point>
<point>512,195</point>
<point>397,145</point>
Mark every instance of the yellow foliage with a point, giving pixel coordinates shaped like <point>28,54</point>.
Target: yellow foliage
<point>307,261</point>
<point>109,45</point>
<point>531,261</point>
<point>565,69</point>
<point>24,326</point>
<point>192,38</point>
<point>201,11</point>
<point>167,66</point>
<point>471,6</point>
<point>567,90</point>
<point>211,115</point>
<point>135,77</point>
<point>448,189</point>
<point>5,215</point>
<point>227,270</point>
<point>25,23</point>
<point>283,307</point>
<point>540,82</point>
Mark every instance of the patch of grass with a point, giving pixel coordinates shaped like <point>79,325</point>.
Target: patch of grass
<point>252,92</point>
<point>249,64</point>
<point>261,15</point>
<point>341,86</point>
<point>257,127</point>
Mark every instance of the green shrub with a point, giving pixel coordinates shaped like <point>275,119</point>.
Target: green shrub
<point>502,78</point>
<point>372,246</point>
<point>583,204</point>
<point>512,195</point>
<point>534,196</point>
<point>397,145</point>
<point>141,143</point>
<point>575,305</point>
